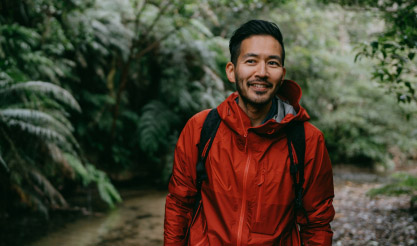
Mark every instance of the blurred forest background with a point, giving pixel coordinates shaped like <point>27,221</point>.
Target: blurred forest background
<point>94,93</point>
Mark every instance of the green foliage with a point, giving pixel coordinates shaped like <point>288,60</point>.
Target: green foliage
<point>33,119</point>
<point>25,131</point>
<point>90,174</point>
<point>155,64</point>
<point>20,122</point>
<point>359,121</point>
<point>401,183</point>
<point>53,91</point>
<point>79,169</point>
<point>106,190</point>
<point>140,69</point>
<point>23,59</point>
<point>394,48</point>
<point>154,126</point>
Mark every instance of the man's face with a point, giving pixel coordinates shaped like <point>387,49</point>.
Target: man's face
<point>258,72</point>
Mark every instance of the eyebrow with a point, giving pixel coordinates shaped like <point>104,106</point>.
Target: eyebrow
<point>256,55</point>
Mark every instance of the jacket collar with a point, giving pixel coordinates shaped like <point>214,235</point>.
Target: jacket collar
<point>237,120</point>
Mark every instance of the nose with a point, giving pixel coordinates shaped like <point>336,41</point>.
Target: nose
<point>261,71</point>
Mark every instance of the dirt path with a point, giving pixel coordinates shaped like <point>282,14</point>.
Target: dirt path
<point>145,226</point>
<point>359,219</point>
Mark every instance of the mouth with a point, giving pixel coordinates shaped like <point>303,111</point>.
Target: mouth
<point>259,86</point>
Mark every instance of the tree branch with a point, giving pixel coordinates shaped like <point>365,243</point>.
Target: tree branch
<point>125,71</point>
<point>155,44</point>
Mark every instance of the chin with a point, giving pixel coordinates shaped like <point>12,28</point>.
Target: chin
<point>260,101</point>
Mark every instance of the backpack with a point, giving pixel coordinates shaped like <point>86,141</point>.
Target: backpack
<point>295,137</point>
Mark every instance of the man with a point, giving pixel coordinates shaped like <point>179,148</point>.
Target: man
<point>248,198</point>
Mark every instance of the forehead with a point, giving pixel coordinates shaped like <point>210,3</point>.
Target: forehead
<point>261,45</point>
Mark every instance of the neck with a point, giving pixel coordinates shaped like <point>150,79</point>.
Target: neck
<point>256,113</point>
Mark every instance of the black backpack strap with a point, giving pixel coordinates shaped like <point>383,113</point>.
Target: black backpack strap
<point>208,132</point>
<point>296,137</point>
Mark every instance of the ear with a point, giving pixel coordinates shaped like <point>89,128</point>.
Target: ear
<point>230,72</point>
<point>284,71</point>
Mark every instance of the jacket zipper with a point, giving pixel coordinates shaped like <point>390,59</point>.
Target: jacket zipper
<point>243,207</point>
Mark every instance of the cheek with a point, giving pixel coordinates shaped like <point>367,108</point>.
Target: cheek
<point>245,74</point>
<point>278,77</point>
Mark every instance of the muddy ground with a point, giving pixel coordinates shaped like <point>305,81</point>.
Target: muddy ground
<point>359,219</point>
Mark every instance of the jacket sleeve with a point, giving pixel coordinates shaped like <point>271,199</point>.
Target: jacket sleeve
<point>318,194</point>
<point>182,187</point>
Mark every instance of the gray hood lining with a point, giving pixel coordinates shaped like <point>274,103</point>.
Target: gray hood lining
<point>283,109</point>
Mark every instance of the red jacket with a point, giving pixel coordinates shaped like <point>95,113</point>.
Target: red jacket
<point>248,199</point>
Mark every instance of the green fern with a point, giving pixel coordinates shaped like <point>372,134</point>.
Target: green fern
<point>79,169</point>
<point>401,183</point>
<point>107,191</point>
<point>33,109</point>
<point>89,174</point>
<point>4,164</point>
<point>36,117</point>
<point>43,88</point>
<point>40,132</point>
<point>54,197</point>
<point>155,125</point>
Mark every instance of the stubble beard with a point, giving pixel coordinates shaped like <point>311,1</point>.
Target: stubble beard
<point>246,100</point>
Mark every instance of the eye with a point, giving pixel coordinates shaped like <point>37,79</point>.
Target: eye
<point>250,61</point>
<point>274,63</point>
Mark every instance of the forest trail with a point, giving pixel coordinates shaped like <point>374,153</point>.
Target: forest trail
<point>359,219</point>
<point>364,221</point>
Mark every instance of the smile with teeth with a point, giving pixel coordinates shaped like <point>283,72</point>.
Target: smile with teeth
<point>259,86</point>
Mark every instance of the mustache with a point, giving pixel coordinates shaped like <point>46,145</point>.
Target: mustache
<point>269,84</point>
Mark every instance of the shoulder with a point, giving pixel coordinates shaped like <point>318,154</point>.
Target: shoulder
<point>197,120</point>
<point>195,123</point>
<point>312,133</point>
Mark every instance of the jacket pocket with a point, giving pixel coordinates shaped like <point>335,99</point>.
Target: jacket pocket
<point>265,220</point>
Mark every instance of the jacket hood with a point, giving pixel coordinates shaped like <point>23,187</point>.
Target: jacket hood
<point>289,109</point>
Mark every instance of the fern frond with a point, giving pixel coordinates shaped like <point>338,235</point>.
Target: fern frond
<point>107,191</point>
<point>61,118</point>
<point>55,111</point>
<point>57,155</point>
<point>4,164</point>
<point>37,118</point>
<point>19,33</point>
<point>5,77</point>
<point>46,189</point>
<point>186,101</point>
<point>154,126</point>
<point>36,131</point>
<point>89,173</point>
<point>46,88</point>
<point>78,168</point>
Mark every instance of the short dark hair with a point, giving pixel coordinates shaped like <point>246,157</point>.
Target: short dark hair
<point>254,27</point>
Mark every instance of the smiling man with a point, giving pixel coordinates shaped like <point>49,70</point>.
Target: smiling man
<point>253,171</point>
